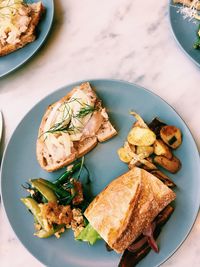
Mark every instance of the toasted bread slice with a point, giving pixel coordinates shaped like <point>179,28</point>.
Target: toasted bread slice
<point>126,207</point>
<point>83,123</point>
<point>188,3</point>
<point>36,11</point>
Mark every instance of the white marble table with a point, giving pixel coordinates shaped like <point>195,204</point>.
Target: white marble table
<point>121,39</point>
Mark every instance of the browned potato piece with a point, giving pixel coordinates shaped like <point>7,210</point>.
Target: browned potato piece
<point>129,146</point>
<point>146,150</point>
<point>171,135</point>
<point>148,165</point>
<point>141,136</point>
<point>164,178</point>
<point>124,155</point>
<point>145,164</point>
<point>161,149</point>
<point>172,165</point>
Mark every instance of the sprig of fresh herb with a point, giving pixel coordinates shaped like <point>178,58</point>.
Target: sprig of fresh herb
<point>85,110</point>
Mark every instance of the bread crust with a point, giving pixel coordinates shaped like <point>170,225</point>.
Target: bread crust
<point>79,148</point>
<point>149,198</point>
<point>37,10</point>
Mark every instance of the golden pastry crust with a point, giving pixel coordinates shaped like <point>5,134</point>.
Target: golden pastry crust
<point>127,206</point>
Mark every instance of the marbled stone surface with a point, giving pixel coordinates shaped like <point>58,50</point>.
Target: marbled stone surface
<point>121,39</point>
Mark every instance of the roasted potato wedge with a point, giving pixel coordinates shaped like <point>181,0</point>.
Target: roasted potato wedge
<point>172,165</point>
<point>148,165</point>
<point>147,150</point>
<point>141,137</point>
<point>171,135</point>
<point>161,149</point>
<point>129,147</point>
<point>164,178</point>
<point>145,164</point>
<point>124,155</point>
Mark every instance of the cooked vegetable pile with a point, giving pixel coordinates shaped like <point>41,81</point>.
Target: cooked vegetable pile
<point>150,145</point>
<point>59,205</point>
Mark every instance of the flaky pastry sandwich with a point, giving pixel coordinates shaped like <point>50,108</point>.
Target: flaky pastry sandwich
<point>127,206</point>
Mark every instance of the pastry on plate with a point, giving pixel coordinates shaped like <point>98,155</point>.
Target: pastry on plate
<point>127,207</point>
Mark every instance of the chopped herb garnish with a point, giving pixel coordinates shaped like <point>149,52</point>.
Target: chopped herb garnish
<point>84,111</point>
<point>67,123</point>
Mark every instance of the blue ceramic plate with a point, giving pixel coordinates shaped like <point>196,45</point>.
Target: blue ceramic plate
<point>185,32</point>
<point>19,164</point>
<point>16,59</point>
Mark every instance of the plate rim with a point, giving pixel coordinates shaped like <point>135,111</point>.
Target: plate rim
<point>1,125</point>
<point>183,239</point>
<point>20,64</point>
<point>176,39</point>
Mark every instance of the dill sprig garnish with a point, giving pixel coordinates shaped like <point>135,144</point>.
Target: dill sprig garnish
<point>84,111</point>
<point>69,116</point>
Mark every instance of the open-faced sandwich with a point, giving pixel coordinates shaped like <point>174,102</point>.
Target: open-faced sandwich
<point>71,127</point>
<point>18,22</point>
